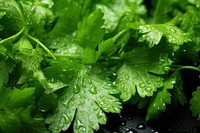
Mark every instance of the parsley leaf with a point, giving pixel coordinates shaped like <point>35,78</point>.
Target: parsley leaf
<point>12,20</point>
<point>16,111</point>
<point>85,101</point>
<point>194,107</point>
<point>153,33</point>
<point>93,34</point>
<point>140,71</point>
<point>160,99</point>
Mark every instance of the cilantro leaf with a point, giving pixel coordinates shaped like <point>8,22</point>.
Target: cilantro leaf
<point>160,99</point>
<point>30,59</point>
<point>3,73</point>
<point>194,104</point>
<point>140,71</point>
<point>29,56</point>
<point>85,101</point>
<point>16,111</point>
<point>153,33</point>
<point>122,11</point>
<point>12,20</point>
<point>178,92</point>
<point>90,31</point>
<point>6,67</point>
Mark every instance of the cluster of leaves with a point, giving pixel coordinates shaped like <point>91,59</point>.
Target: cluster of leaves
<point>69,62</point>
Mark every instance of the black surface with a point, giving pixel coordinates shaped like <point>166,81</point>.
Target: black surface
<point>132,120</point>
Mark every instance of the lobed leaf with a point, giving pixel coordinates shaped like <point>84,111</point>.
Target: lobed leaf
<point>194,104</point>
<point>140,71</point>
<point>160,99</point>
<point>154,32</point>
<point>84,102</point>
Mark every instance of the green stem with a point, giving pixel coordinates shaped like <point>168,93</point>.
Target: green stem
<point>13,36</point>
<point>42,45</point>
<point>68,56</point>
<point>120,34</point>
<point>179,67</point>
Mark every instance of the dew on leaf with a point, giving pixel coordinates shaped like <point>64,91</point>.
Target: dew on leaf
<point>101,116</point>
<point>184,50</point>
<point>114,83</point>
<point>83,82</point>
<point>78,124</point>
<point>171,38</point>
<point>148,89</point>
<point>114,74</point>
<point>172,30</point>
<point>173,82</point>
<point>148,82</point>
<point>93,90</point>
<point>161,59</point>
<point>89,81</point>
<point>166,68</point>
<point>67,119</point>
<point>141,126</point>
<point>142,85</point>
<point>76,89</point>
<point>116,109</point>
<point>122,86</point>
<point>126,77</point>
<point>163,104</point>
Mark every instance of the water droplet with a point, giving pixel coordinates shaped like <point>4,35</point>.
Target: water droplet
<point>166,68</point>
<point>141,126</point>
<point>89,81</point>
<point>116,109</point>
<point>148,82</point>
<point>130,117</point>
<point>67,119</point>
<point>76,89</point>
<point>131,131</point>
<point>101,116</point>
<point>114,83</point>
<point>93,90</point>
<point>184,50</point>
<point>123,123</point>
<point>173,54</point>
<point>114,74</point>
<point>142,85</point>
<point>163,104</point>
<point>148,89</point>
<point>173,82</point>
<point>172,30</point>
<point>161,59</point>
<point>83,82</point>
<point>126,77</point>
<point>78,125</point>
<point>52,80</point>
<point>122,86</point>
<point>171,38</point>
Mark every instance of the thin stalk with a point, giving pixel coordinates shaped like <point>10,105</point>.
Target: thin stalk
<point>179,67</point>
<point>42,45</point>
<point>68,56</point>
<point>13,36</point>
